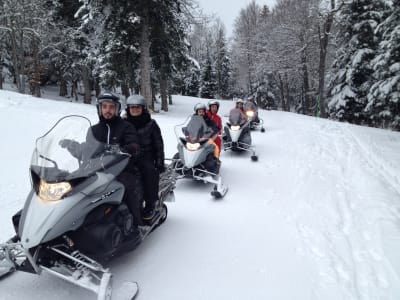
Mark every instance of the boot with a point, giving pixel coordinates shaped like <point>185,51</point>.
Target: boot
<point>149,211</point>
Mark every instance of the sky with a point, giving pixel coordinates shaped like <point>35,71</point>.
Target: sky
<point>228,10</point>
<point>317,217</point>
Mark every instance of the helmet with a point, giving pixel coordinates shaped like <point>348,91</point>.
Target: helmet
<point>136,99</point>
<point>108,97</point>
<point>239,101</point>
<point>199,106</point>
<point>213,102</point>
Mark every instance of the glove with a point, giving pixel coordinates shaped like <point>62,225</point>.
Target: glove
<point>72,146</point>
<point>112,148</point>
<point>64,143</point>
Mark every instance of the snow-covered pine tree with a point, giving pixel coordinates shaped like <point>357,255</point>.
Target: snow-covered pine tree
<point>384,97</point>
<point>352,69</point>
<point>208,87</point>
<point>222,62</point>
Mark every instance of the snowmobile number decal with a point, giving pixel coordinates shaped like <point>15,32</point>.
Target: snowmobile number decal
<point>106,195</point>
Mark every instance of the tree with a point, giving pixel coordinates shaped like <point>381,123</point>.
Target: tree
<point>208,81</point>
<point>383,99</point>
<point>352,68</point>
<point>222,64</point>
<point>245,47</point>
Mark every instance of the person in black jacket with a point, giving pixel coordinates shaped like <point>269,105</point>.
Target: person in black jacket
<point>151,162</point>
<point>112,130</point>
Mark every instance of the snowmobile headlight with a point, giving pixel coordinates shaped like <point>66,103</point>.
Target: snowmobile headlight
<point>53,191</point>
<point>235,127</point>
<point>192,146</point>
<point>250,113</point>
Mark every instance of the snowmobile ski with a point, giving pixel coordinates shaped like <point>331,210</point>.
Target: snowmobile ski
<point>6,270</point>
<point>127,291</point>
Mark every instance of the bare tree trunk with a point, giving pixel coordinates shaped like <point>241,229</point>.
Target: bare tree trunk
<point>125,90</point>
<point>1,75</point>
<point>145,67</point>
<point>323,42</point>
<point>87,98</point>
<point>283,91</point>
<point>36,71</point>
<point>16,61</point>
<point>63,87</point>
<point>286,91</point>
<point>163,92</point>
<point>306,86</point>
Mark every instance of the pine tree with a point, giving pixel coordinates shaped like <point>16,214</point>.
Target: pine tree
<point>352,68</point>
<point>384,96</point>
<point>222,65</point>
<point>208,81</point>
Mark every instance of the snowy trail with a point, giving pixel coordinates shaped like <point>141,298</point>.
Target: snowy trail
<point>316,218</point>
<point>350,258</point>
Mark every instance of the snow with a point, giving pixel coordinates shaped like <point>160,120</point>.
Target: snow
<point>317,217</point>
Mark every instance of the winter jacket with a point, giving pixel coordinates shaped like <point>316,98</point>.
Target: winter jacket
<point>118,132</point>
<point>211,124</point>
<point>236,115</point>
<point>216,119</point>
<point>150,138</point>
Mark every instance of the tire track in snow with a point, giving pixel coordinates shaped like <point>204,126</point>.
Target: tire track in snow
<point>342,242</point>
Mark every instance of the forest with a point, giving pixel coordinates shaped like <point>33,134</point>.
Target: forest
<point>337,59</point>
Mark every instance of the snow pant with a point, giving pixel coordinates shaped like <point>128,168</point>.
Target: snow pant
<point>151,178</point>
<point>133,196</point>
<point>212,163</point>
<point>218,143</point>
<point>217,148</point>
<point>245,136</point>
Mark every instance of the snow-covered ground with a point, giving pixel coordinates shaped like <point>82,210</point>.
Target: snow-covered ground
<point>317,217</point>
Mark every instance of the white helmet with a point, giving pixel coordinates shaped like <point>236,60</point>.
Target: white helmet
<point>136,100</point>
<point>213,102</point>
<point>199,106</point>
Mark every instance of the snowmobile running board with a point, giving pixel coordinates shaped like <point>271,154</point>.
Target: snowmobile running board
<point>86,272</point>
<point>219,189</point>
<point>242,147</point>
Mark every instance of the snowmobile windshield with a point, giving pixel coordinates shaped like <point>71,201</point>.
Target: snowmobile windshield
<point>69,151</point>
<point>196,130</point>
<point>250,106</point>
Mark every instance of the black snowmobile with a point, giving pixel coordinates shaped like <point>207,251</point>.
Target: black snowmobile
<point>256,123</point>
<point>74,219</point>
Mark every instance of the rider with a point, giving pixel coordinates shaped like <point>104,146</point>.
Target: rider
<point>200,110</point>
<point>237,115</point>
<point>238,111</point>
<point>212,113</point>
<point>113,131</point>
<point>250,105</point>
<point>151,162</point>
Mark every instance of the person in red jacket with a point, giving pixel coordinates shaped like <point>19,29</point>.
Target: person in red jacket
<point>212,113</point>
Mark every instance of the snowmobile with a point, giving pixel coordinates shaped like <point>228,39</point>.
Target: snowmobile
<point>256,123</point>
<point>195,158</point>
<point>74,220</point>
<point>237,136</point>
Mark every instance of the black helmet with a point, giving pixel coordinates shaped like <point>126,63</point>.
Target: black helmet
<point>199,106</point>
<point>108,97</point>
<point>213,102</point>
<point>136,100</point>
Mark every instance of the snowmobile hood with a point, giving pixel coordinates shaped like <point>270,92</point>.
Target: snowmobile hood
<point>44,220</point>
